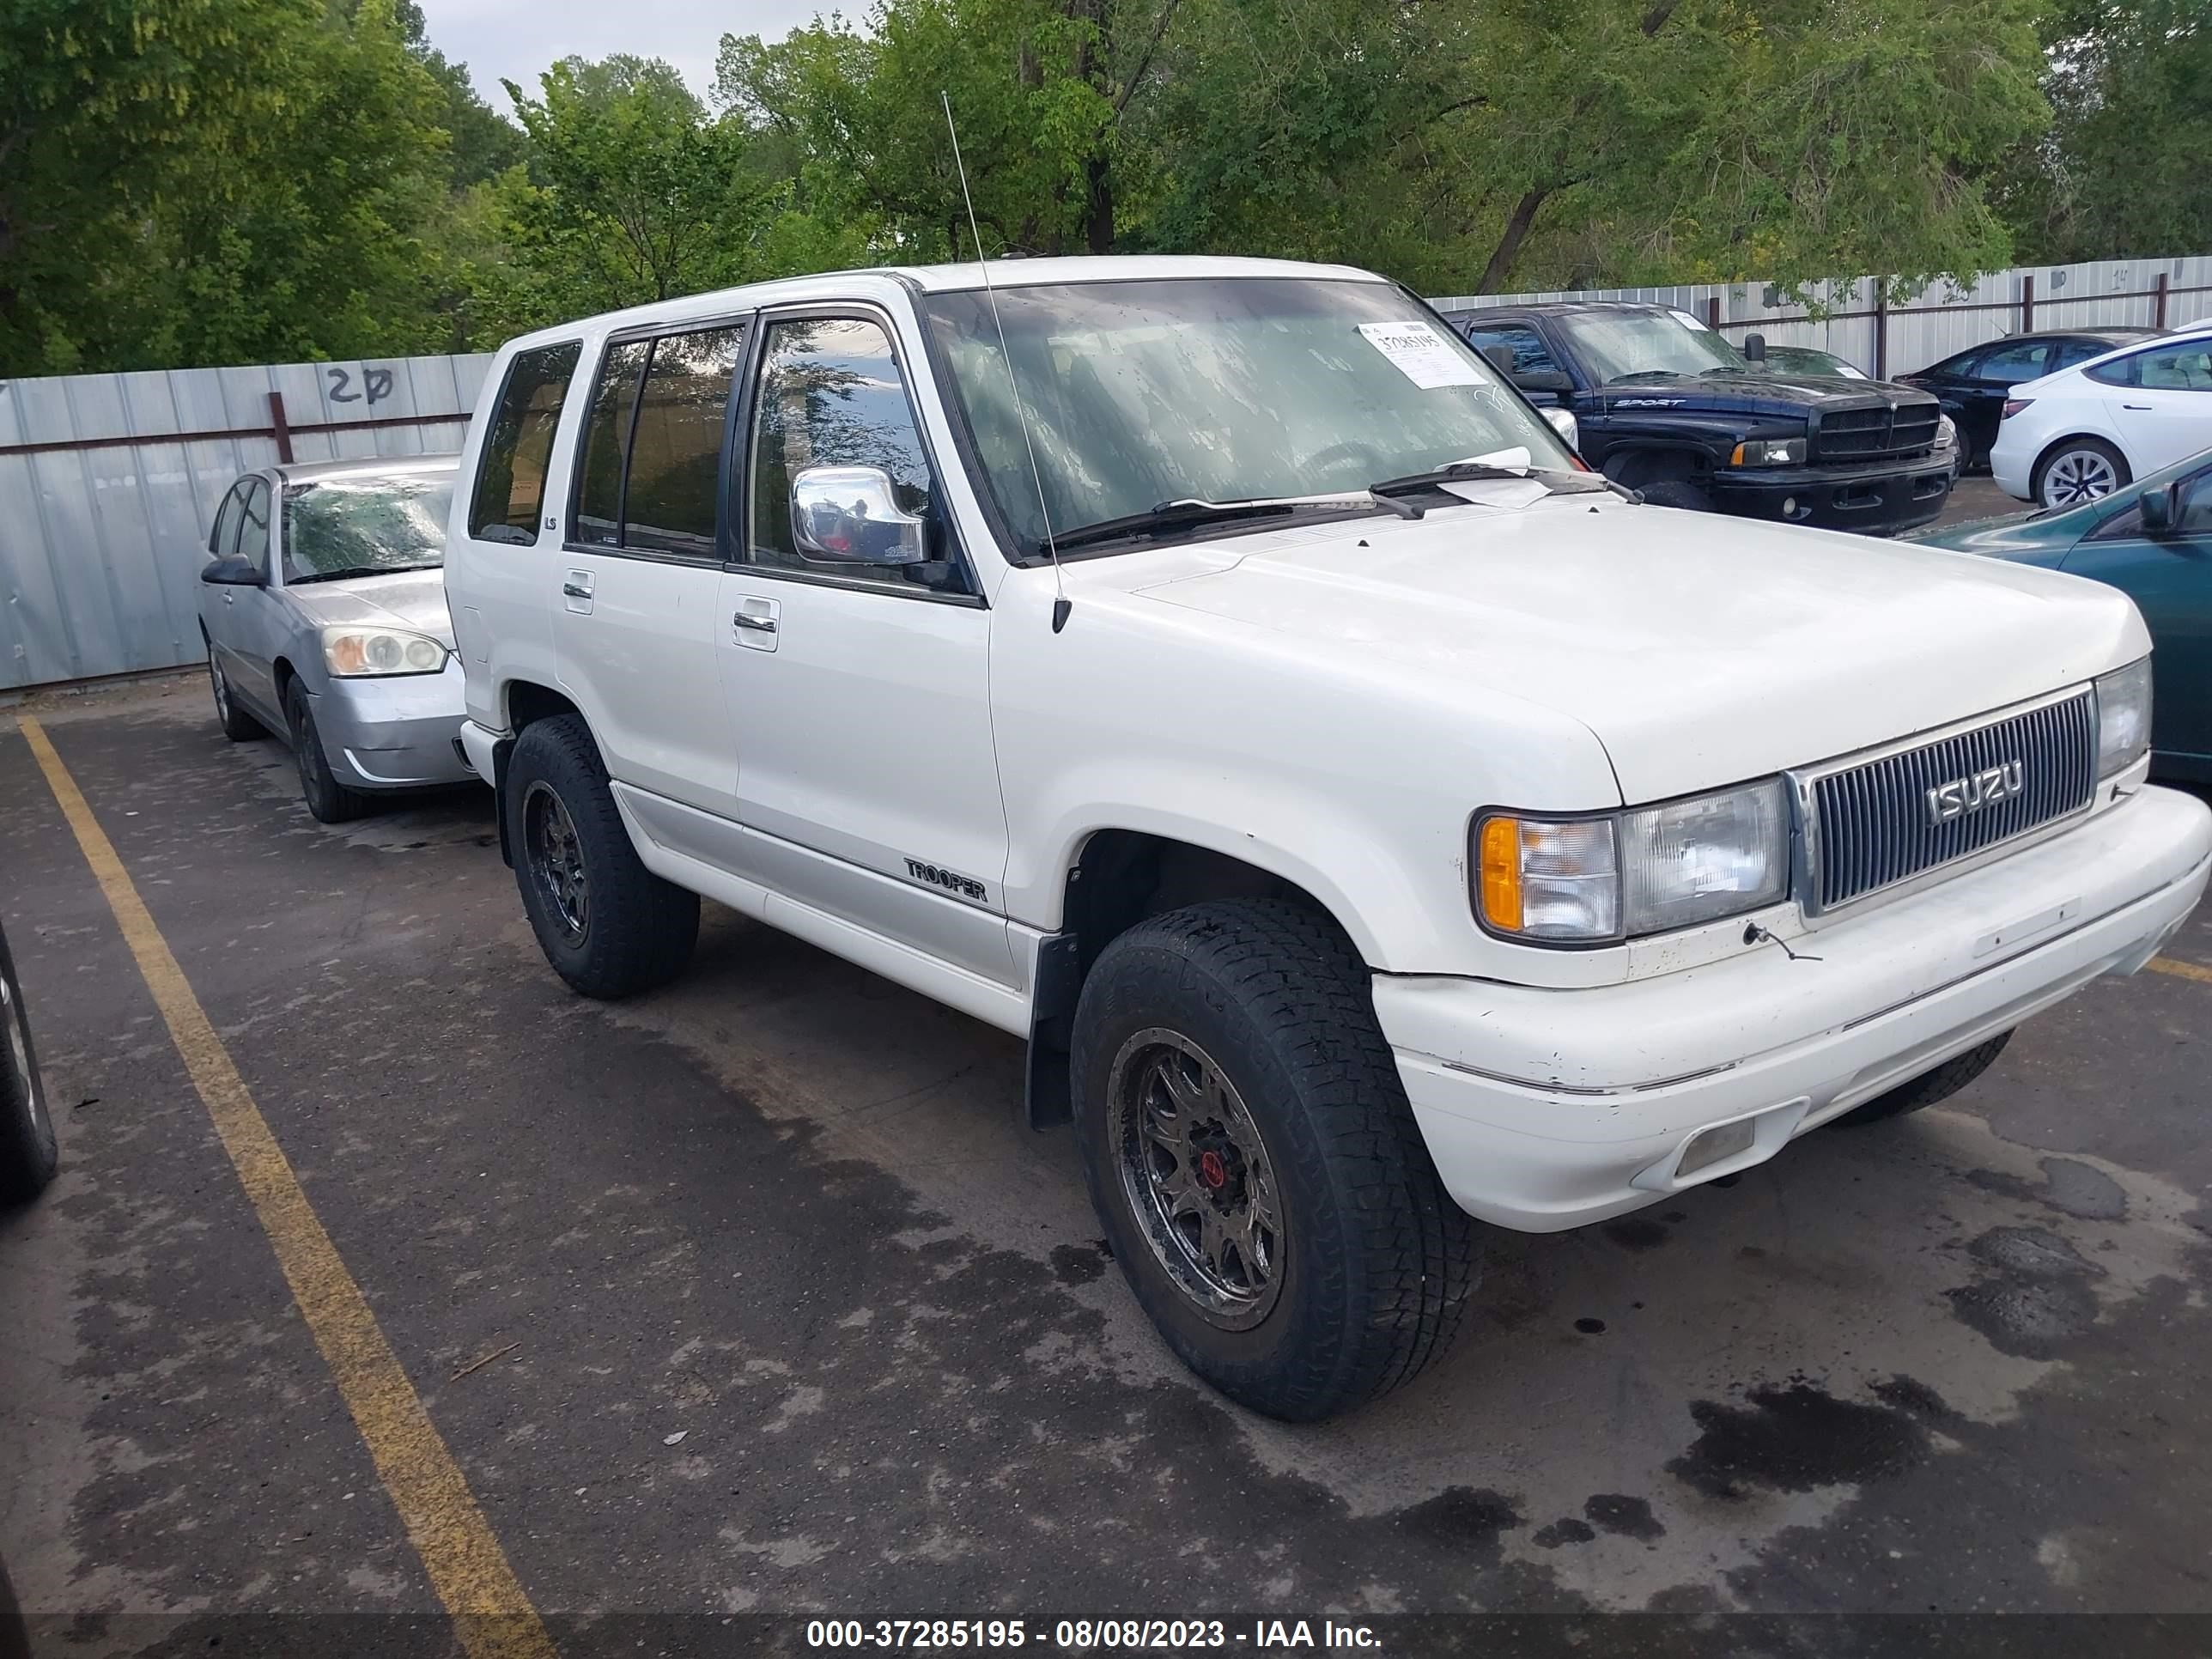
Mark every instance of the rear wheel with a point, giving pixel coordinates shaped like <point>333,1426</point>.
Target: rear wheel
<point>2079,469</point>
<point>1930,1087</point>
<point>331,801</point>
<point>610,926</point>
<point>1252,1157</point>
<point>237,724</point>
<point>28,1154</point>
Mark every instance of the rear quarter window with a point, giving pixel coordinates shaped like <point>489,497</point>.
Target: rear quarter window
<point>509,495</point>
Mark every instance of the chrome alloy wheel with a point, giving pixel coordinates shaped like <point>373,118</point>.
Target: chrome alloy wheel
<point>556,860</point>
<point>1197,1177</point>
<point>2079,476</point>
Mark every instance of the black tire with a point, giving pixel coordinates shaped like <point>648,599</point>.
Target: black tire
<point>632,931</point>
<point>1678,493</point>
<point>2047,485</point>
<point>1929,1087</point>
<point>331,801</point>
<point>28,1154</point>
<point>237,724</point>
<point>1377,1263</point>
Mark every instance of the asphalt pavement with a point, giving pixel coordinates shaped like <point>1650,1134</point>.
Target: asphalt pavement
<point>754,1295</point>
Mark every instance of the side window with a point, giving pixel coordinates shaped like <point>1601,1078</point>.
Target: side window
<point>509,495</point>
<point>1959,368</point>
<point>676,454</point>
<point>2196,506</point>
<point>222,541</point>
<point>1529,356</point>
<point>2186,367</point>
<point>2067,352</point>
<point>253,525</point>
<point>832,395</point>
<point>597,520</point>
<point>2010,364</point>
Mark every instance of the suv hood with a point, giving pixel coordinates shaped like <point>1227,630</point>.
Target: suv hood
<point>1771,396</point>
<point>1701,651</point>
<point>414,600</point>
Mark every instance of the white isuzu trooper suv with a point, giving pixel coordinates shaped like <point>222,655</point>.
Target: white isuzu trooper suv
<point>1214,673</point>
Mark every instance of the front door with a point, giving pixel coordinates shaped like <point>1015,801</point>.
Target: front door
<point>256,619</point>
<point>858,674</point>
<point>2170,579</point>
<point>2163,409</point>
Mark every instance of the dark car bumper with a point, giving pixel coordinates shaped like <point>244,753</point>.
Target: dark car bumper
<point>1880,501</point>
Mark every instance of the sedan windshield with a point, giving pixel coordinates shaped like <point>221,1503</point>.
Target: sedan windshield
<point>1627,345</point>
<point>366,525</point>
<point>1232,390</point>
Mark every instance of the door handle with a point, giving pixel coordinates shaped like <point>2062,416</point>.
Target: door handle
<point>758,625</point>
<point>576,590</point>
<point>2140,409</point>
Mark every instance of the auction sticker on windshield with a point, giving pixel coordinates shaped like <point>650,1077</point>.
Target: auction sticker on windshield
<point>1421,355</point>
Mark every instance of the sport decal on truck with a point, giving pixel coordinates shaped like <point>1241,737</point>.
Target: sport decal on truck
<point>966,887</point>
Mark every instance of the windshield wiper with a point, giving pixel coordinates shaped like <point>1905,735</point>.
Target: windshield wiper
<point>1191,514</point>
<point>1555,483</point>
<point>352,570</point>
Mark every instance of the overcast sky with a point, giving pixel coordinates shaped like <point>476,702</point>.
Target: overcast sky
<point>515,40</point>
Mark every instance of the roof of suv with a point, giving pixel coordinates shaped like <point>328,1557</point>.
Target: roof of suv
<point>1005,273</point>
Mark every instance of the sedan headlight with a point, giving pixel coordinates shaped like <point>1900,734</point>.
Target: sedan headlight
<point>1769,451</point>
<point>1650,870</point>
<point>366,652</point>
<point>2122,718</point>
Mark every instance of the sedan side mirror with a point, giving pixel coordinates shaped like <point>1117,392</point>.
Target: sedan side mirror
<point>2161,508</point>
<point>851,514</point>
<point>1754,348</point>
<point>234,572</point>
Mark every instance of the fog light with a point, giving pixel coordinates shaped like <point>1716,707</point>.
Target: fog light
<point>1717,1145</point>
<point>1789,507</point>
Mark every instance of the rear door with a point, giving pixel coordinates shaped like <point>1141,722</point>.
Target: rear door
<point>860,686</point>
<point>2170,579</point>
<point>636,588</point>
<point>2161,401</point>
<point>1981,392</point>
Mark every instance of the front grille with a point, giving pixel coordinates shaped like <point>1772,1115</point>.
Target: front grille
<point>1874,821</point>
<point>1878,433</point>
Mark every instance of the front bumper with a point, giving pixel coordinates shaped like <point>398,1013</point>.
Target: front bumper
<point>1548,1109</point>
<point>1839,497</point>
<point>395,733</point>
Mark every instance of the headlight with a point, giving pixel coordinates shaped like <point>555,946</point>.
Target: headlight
<point>1769,451</point>
<point>2122,718</point>
<point>1651,870</point>
<point>1947,434</point>
<point>363,653</point>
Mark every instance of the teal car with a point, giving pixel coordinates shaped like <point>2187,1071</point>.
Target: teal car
<point>2153,541</point>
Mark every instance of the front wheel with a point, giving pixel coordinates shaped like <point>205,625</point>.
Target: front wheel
<point>2077,470</point>
<point>608,926</point>
<point>1251,1155</point>
<point>331,801</point>
<point>28,1153</point>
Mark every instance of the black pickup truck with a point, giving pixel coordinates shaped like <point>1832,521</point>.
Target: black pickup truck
<point>1665,405</point>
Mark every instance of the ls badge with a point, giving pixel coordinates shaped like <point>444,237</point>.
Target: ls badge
<point>1963,797</point>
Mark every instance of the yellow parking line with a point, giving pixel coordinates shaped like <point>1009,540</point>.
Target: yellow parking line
<point>467,1568</point>
<point>2180,970</point>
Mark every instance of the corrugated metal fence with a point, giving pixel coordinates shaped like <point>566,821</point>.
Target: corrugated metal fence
<point>109,483</point>
<point>1855,322</point>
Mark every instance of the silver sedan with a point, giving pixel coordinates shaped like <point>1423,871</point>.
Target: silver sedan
<point>324,608</point>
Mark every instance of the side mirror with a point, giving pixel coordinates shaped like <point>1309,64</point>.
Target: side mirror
<point>233,572</point>
<point>850,514</point>
<point>1754,348</point>
<point>1499,358</point>
<point>1544,379</point>
<point>2161,508</point>
<point>1563,422</point>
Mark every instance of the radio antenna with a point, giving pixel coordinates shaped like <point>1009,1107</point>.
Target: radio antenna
<point>1059,603</point>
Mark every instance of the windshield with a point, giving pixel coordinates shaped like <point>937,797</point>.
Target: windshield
<point>359,526</point>
<point>1227,390</point>
<point>1621,345</point>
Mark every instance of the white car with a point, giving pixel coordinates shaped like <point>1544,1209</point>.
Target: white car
<point>2082,433</point>
<point>1373,820</point>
